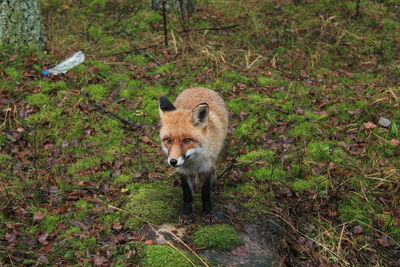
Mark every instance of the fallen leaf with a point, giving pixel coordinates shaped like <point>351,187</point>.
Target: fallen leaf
<point>10,237</point>
<point>285,191</point>
<point>146,140</point>
<point>369,125</point>
<point>38,216</point>
<point>79,224</point>
<point>43,238</point>
<point>43,259</point>
<point>384,241</point>
<point>117,226</point>
<point>99,260</point>
<point>130,253</point>
<point>395,142</point>
<point>154,175</point>
<point>149,242</point>
<point>137,175</point>
<point>357,230</point>
<point>28,74</point>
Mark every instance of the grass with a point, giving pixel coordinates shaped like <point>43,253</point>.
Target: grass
<point>300,81</point>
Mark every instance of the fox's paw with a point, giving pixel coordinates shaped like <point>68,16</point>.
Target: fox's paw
<point>216,188</point>
<point>209,218</point>
<point>185,219</point>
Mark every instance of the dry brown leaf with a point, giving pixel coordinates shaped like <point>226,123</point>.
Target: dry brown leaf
<point>369,125</point>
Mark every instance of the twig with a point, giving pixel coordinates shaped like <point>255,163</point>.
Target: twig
<point>144,53</point>
<point>211,28</point>
<point>340,239</point>
<point>147,55</point>
<point>169,243</point>
<point>233,165</point>
<point>134,50</point>
<point>165,23</point>
<point>101,109</point>
<point>277,109</point>
<point>191,250</point>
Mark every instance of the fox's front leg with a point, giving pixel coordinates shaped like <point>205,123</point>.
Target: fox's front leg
<point>185,217</point>
<point>208,178</point>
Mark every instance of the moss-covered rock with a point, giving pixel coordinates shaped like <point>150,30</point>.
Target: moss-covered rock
<point>219,236</point>
<point>166,256</point>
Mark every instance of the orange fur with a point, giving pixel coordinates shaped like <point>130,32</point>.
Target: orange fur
<point>177,124</point>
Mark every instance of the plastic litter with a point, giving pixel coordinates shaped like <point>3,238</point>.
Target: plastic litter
<point>67,64</point>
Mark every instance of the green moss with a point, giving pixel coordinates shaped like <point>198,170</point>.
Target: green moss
<point>235,77</point>
<point>49,223</point>
<point>219,84</point>
<point>96,92</point>
<point>303,129</point>
<point>95,33</point>
<point>98,3</point>
<point>165,68</point>
<point>137,59</point>
<point>13,73</point>
<point>165,256</point>
<point>355,208</point>
<point>266,81</point>
<point>82,243</point>
<point>99,68</point>
<point>4,158</point>
<point>219,236</point>
<point>266,155</point>
<point>318,183</point>
<point>318,151</point>
<point>122,179</point>
<point>142,21</point>
<point>84,164</point>
<point>156,203</point>
<point>82,203</point>
<point>38,99</point>
<point>270,173</point>
<point>250,128</point>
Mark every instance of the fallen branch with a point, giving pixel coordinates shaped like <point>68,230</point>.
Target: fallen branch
<point>102,109</point>
<point>211,29</point>
<point>134,50</point>
<point>234,165</point>
<point>141,51</point>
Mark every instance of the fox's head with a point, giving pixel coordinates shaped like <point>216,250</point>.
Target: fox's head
<point>182,131</point>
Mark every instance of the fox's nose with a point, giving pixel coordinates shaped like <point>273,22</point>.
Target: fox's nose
<point>173,162</point>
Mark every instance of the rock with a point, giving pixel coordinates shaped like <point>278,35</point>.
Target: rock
<point>384,122</point>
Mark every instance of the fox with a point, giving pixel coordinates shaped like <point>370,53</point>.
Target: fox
<point>192,134</point>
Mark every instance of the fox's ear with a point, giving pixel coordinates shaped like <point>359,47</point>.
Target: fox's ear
<point>164,105</point>
<point>199,115</point>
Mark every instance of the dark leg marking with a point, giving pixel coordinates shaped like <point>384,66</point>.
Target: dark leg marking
<point>187,201</point>
<point>206,195</point>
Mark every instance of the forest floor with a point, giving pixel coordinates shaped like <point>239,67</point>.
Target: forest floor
<point>312,154</point>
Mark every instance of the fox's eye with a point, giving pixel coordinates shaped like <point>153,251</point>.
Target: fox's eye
<point>187,141</point>
<point>168,141</point>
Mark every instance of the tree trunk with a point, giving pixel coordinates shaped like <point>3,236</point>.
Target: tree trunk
<point>20,25</point>
<point>182,6</point>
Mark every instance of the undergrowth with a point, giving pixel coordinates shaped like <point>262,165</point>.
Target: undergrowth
<point>305,82</point>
